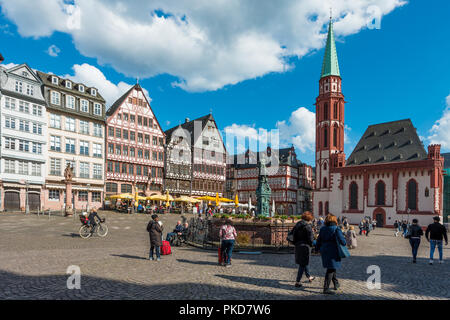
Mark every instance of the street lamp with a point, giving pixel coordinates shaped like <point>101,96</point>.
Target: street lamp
<point>27,207</point>
<point>87,205</point>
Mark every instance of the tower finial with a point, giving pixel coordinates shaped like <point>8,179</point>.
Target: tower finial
<point>331,13</point>
<point>137,80</point>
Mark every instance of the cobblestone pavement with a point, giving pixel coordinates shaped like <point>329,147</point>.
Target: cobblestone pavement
<point>36,251</point>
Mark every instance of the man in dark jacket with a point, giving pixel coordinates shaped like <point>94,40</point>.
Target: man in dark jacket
<point>434,234</point>
<point>414,234</point>
<point>155,230</point>
<point>303,237</point>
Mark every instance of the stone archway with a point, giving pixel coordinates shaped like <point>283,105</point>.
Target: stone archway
<point>379,215</point>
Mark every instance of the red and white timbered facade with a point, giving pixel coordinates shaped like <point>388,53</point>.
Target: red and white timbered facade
<point>134,146</point>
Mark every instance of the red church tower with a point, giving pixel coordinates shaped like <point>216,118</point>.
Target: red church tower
<point>329,116</point>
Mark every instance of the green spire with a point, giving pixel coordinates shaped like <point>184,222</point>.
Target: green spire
<point>330,66</point>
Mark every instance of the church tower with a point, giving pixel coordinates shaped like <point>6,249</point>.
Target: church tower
<point>329,116</point>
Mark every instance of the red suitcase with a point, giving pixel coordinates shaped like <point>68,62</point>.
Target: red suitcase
<point>166,249</point>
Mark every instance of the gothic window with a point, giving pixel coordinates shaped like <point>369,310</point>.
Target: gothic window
<point>335,134</point>
<point>335,110</point>
<point>325,137</point>
<point>325,111</point>
<point>353,195</point>
<point>324,182</point>
<point>325,166</point>
<point>412,194</point>
<point>380,190</point>
<point>427,192</point>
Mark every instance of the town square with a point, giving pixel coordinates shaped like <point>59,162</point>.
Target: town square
<point>161,151</point>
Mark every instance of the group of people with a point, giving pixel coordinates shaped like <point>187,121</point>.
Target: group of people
<point>366,225</point>
<point>435,234</point>
<point>329,237</point>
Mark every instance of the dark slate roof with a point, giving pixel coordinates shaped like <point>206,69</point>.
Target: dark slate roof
<point>119,101</point>
<point>446,159</point>
<point>283,158</point>
<point>395,141</point>
<point>46,80</point>
<point>189,126</point>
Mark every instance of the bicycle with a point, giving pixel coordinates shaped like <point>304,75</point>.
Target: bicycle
<point>86,231</point>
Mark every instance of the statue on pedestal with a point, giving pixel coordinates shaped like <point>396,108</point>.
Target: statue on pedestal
<point>263,192</point>
<point>68,176</point>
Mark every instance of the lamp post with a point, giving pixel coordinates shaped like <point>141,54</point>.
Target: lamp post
<point>87,205</point>
<point>27,207</point>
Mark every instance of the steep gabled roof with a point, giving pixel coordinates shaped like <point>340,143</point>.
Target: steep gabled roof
<point>395,141</point>
<point>119,101</point>
<point>189,126</point>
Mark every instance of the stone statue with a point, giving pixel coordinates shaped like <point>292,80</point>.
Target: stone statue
<point>68,172</point>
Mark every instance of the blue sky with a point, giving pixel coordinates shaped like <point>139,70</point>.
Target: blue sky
<point>398,71</point>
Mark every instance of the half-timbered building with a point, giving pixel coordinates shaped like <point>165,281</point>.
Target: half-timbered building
<point>134,146</point>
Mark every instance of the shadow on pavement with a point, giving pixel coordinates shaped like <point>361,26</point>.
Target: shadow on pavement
<point>128,256</point>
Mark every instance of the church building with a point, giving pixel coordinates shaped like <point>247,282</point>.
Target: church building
<point>389,175</point>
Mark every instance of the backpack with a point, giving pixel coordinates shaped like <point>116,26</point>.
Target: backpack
<point>395,225</point>
<point>165,248</point>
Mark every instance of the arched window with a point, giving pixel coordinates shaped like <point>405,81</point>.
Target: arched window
<point>324,166</point>
<point>335,135</point>
<point>335,110</point>
<point>353,195</point>
<point>325,111</point>
<point>380,192</point>
<point>324,182</point>
<point>412,194</point>
<point>326,208</point>
<point>427,192</point>
<point>325,137</point>
<point>320,209</point>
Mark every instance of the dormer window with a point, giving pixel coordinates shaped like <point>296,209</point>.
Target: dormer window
<point>25,74</point>
<point>55,80</point>
<point>93,92</point>
<point>68,84</point>
<point>81,88</point>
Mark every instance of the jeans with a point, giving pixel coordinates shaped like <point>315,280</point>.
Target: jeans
<point>330,276</point>
<point>301,269</point>
<point>433,244</point>
<point>414,242</point>
<point>227,250</point>
<point>158,251</point>
<point>170,235</point>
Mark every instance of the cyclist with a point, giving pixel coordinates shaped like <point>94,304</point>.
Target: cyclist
<point>92,218</point>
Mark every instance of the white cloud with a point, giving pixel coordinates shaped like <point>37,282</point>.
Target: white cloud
<point>439,132</point>
<point>93,77</point>
<point>53,51</point>
<point>300,130</point>
<point>206,44</point>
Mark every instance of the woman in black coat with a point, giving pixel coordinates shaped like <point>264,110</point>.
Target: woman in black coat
<point>303,241</point>
<point>155,230</point>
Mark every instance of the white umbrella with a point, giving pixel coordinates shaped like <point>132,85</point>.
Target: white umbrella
<point>249,203</point>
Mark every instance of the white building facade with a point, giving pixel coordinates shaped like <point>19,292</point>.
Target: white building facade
<point>23,140</point>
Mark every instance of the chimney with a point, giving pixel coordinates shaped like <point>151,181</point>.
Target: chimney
<point>186,120</point>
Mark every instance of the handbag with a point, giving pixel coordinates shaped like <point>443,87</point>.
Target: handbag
<point>342,250</point>
<point>290,236</point>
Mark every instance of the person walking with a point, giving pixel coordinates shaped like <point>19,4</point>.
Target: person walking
<point>396,225</point>
<point>330,236</point>
<point>367,227</point>
<point>414,234</point>
<point>227,235</point>
<point>361,226</point>
<point>155,230</point>
<point>435,233</point>
<point>350,238</point>
<point>404,228</point>
<point>303,241</point>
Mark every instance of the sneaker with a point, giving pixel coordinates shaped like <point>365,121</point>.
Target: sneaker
<point>298,285</point>
<point>158,259</point>
<point>414,261</point>
<point>337,286</point>
<point>311,279</point>
<point>151,259</point>
<point>228,265</point>
<point>441,261</point>
<point>431,262</point>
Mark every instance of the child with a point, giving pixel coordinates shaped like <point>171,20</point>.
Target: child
<point>350,237</point>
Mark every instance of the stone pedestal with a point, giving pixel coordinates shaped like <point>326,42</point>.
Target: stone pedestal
<point>68,209</point>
